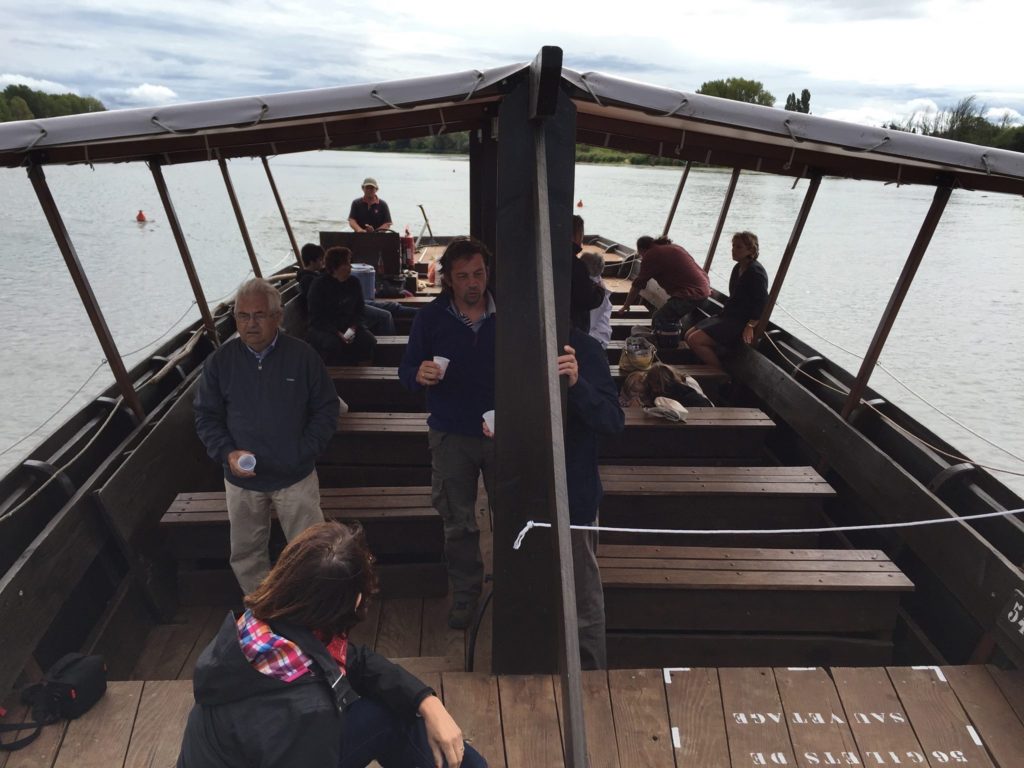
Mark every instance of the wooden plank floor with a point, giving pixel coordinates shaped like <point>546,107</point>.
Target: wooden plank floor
<point>677,718</point>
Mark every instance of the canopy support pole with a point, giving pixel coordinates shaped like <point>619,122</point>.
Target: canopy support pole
<point>483,183</point>
<point>239,217</point>
<point>280,207</point>
<point>931,221</point>
<point>721,219</point>
<point>92,307</point>
<point>535,623</point>
<point>186,258</point>
<point>675,201</point>
<point>787,256</point>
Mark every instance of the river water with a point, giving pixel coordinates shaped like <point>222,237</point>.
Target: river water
<point>958,342</point>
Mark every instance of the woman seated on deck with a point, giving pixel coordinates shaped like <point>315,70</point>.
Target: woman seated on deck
<point>748,292</point>
<point>337,317</point>
<point>642,387</point>
<point>282,686</point>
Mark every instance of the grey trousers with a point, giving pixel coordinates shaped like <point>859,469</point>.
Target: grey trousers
<point>673,311</point>
<point>589,600</point>
<point>456,463</point>
<point>297,507</point>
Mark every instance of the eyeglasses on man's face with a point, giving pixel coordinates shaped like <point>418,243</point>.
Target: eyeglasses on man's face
<point>256,317</point>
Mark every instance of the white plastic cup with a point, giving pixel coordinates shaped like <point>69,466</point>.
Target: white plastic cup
<point>489,420</point>
<point>443,362</point>
<point>349,334</point>
<point>247,462</point>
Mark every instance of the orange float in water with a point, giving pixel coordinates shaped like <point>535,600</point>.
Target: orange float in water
<point>140,216</point>
<point>579,204</point>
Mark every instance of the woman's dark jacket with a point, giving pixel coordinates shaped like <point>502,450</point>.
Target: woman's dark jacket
<point>334,306</point>
<point>748,293</point>
<point>593,411</point>
<point>245,719</point>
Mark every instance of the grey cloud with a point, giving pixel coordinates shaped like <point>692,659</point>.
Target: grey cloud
<point>856,10</point>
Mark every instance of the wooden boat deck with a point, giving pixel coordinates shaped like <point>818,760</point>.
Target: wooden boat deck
<point>702,717</point>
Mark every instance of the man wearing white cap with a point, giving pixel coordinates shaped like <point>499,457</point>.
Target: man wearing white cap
<point>369,213</point>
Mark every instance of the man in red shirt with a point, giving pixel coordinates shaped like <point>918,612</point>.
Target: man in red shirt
<point>676,272</point>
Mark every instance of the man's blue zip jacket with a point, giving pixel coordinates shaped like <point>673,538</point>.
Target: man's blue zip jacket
<point>593,411</point>
<point>456,403</point>
<point>284,409</point>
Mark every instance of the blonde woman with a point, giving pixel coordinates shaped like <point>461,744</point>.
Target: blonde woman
<point>748,292</point>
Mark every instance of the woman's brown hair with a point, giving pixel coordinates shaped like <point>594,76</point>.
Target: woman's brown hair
<point>749,239</point>
<point>659,378</point>
<point>336,256</point>
<point>318,579</point>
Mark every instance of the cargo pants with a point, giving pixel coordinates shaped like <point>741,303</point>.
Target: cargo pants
<point>456,463</point>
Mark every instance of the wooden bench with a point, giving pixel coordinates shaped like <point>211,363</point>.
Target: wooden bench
<point>390,349</point>
<point>711,498</point>
<point>655,596</point>
<point>377,388</point>
<point>679,355</point>
<point>402,529</point>
<point>708,436</point>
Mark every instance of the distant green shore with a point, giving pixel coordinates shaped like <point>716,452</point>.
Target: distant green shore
<point>584,152</point>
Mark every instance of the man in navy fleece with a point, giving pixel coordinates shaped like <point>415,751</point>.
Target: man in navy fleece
<point>460,326</point>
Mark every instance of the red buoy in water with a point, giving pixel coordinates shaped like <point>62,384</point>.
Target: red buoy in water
<point>580,203</point>
<point>140,216</point>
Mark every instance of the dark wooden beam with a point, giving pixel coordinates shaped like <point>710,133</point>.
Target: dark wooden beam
<point>721,219</point>
<point>931,221</point>
<point>92,307</point>
<point>280,207</point>
<point>787,255</point>
<point>239,217</point>
<point>675,200</point>
<point>483,184</point>
<point>186,257</point>
<point>534,605</point>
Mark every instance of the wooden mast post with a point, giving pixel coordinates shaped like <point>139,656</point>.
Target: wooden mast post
<point>787,256</point>
<point>280,207</point>
<point>239,217</point>
<point>483,184</point>
<point>721,219</point>
<point>535,626</point>
<point>92,307</point>
<point>675,200</point>
<point>186,257</point>
<point>931,221</point>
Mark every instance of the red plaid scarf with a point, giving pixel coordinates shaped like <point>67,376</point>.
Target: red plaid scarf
<point>277,656</point>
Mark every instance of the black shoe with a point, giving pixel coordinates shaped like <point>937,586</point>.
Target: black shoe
<point>462,612</point>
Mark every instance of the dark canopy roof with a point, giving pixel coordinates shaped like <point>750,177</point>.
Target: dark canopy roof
<point>612,112</point>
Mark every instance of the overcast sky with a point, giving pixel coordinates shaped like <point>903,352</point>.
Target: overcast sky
<point>863,60</point>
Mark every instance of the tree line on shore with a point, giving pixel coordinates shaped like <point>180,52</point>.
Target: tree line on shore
<point>964,121</point>
<point>19,102</point>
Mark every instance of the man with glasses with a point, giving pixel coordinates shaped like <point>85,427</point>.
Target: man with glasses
<point>265,408</point>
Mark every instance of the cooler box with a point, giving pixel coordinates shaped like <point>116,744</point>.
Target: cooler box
<point>367,277</point>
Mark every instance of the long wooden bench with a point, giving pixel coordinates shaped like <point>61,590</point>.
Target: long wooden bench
<point>714,498</point>
<point>390,349</point>
<point>709,436</point>
<point>402,529</point>
<point>377,388</point>
<point>658,597</point>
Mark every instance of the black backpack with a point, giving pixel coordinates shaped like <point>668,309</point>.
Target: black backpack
<point>68,690</point>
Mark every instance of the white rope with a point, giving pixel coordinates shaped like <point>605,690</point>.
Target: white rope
<point>114,410</point>
<point>530,524</point>
<point>891,422</point>
<point>50,418</point>
<point>895,378</point>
